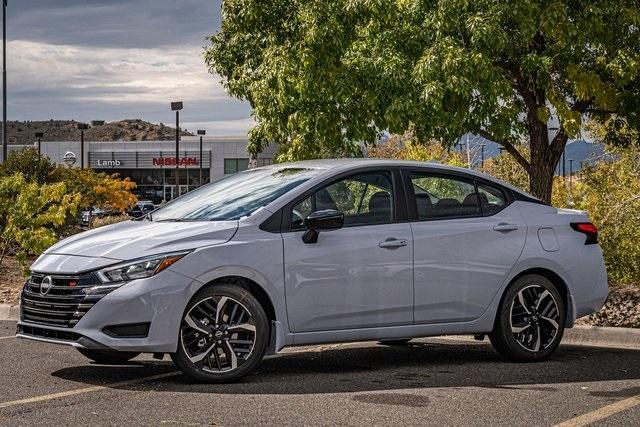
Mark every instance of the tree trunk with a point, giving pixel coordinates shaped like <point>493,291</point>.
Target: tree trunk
<point>544,159</point>
<point>541,181</point>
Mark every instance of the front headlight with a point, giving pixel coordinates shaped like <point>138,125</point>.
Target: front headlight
<point>139,269</point>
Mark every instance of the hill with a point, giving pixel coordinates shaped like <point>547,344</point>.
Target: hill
<point>22,133</point>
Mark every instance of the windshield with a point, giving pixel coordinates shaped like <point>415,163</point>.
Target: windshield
<point>234,196</point>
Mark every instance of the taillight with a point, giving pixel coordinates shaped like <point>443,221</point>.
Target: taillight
<point>588,230</point>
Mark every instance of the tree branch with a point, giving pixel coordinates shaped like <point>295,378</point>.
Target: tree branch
<point>511,149</point>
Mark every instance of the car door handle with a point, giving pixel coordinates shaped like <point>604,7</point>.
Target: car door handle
<point>392,243</point>
<point>503,226</point>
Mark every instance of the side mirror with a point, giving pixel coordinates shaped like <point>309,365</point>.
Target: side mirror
<point>328,219</point>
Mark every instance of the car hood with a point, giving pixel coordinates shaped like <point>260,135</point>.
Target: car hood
<point>134,239</point>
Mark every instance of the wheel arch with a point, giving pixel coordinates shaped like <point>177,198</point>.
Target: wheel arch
<point>253,288</point>
<point>557,281</point>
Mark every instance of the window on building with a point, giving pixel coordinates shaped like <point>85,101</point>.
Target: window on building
<point>235,165</point>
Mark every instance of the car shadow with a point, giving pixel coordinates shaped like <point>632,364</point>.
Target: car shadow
<point>379,368</point>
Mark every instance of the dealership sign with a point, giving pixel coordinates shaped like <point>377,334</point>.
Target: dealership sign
<point>109,163</point>
<point>173,161</point>
<point>69,158</point>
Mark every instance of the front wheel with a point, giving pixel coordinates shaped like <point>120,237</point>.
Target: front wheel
<point>106,357</point>
<point>223,335</point>
<point>530,321</point>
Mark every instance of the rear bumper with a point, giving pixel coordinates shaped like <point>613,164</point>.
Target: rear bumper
<point>158,301</point>
<point>589,284</point>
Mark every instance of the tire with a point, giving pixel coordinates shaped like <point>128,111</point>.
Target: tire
<point>106,357</point>
<point>231,350</point>
<point>530,320</point>
<point>399,342</point>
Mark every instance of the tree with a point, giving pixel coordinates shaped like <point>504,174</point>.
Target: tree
<point>321,75</point>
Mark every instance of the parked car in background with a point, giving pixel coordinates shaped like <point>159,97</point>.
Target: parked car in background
<point>316,252</point>
<point>141,208</point>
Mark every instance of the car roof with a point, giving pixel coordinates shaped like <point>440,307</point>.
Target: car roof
<point>332,166</point>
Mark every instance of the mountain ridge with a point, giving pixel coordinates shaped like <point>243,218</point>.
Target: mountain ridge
<point>23,132</point>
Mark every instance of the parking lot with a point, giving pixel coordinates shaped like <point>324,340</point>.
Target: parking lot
<point>433,381</point>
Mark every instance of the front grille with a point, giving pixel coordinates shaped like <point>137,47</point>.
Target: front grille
<point>48,333</point>
<point>63,304</point>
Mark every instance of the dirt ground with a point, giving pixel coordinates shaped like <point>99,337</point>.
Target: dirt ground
<point>11,280</point>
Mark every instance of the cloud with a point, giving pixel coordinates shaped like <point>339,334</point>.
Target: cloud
<point>120,59</point>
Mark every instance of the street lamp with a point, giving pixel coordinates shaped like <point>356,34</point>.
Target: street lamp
<point>482,155</point>
<point>39,135</point>
<point>4,80</point>
<point>201,132</point>
<point>82,127</point>
<point>177,106</point>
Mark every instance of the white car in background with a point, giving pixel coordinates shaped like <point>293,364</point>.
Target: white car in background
<point>314,252</point>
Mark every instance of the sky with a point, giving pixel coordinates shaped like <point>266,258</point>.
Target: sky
<point>115,59</point>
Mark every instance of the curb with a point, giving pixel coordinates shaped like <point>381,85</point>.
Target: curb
<point>602,336</point>
<point>596,336</point>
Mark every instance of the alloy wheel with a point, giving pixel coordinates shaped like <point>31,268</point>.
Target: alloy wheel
<point>218,334</point>
<point>534,318</point>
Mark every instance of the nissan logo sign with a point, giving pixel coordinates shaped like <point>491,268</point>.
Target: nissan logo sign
<point>45,285</point>
<point>69,158</point>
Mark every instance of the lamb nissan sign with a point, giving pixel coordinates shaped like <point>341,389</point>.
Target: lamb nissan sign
<point>172,161</point>
<point>147,159</point>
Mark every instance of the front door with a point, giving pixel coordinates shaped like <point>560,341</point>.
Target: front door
<point>359,276</point>
<point>466,240</point>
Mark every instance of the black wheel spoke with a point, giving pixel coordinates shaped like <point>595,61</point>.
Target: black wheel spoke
<point>218,334</point>
<point>534,318</point>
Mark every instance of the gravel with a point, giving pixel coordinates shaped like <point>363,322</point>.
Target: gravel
<point>621,310</point>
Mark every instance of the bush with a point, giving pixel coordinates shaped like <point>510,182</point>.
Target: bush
<point>406,147</point>
<point>31,215</point>
<point>108,220</point>
<point>98,188</point>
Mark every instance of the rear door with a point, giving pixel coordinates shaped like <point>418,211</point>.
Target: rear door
<point>467,237</point>
<point>359,276</point>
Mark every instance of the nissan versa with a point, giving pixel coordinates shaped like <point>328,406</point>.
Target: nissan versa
<point>315,252</point>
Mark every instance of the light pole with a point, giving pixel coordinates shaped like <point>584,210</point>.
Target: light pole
<point>177,106</point>
<point>482,155</point>
<point>4,80</point>
<point>39,135</point>
<point>82,127</point>
<point>570,173</point>
<point>201,132</point>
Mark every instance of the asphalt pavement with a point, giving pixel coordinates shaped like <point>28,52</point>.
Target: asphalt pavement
<point>432,381</point>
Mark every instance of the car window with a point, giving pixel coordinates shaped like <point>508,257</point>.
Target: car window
<point>438,196</point>
<point>364,199</point>
<point>234,196</point>
<point>492,199</point>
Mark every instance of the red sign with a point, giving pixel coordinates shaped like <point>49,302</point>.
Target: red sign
<point>172,161</point>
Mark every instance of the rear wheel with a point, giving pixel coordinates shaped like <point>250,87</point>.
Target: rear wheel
<point>106,357</point>
<point>223,335</point>
<point>530,321</point>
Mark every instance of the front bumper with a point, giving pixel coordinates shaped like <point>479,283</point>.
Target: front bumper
<point>158,300</point>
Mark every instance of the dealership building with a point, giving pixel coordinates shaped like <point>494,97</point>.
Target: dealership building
<point>152,164</point>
